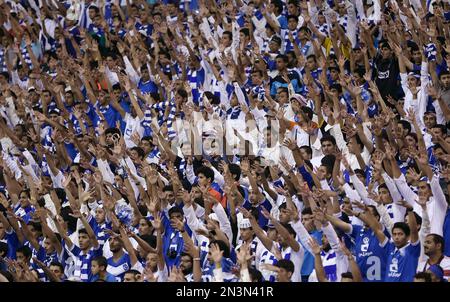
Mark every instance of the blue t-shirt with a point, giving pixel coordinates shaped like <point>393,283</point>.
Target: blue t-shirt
<point>447,234</point>
<point>370,256</point>
<point>401,263</point>
<point>119,268</point>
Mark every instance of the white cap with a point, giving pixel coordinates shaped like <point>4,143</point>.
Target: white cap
<point>31,88</point>
<point>245,224</point>
<point>213,216</point>
<point>68,88</point>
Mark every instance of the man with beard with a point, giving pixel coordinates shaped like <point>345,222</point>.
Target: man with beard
<point>434,250</point>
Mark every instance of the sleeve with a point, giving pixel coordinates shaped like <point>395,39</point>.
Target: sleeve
<point>351,194</point>
<point>362,191</point>
<point>340,141</point>
<point>105,170</point>
<point>439,207</point>
<point>404,82</point>
<point>239,94</point>
<point>11,111</point>
<point>425,230</point>
<point>224,222</point>
<point>190,175</point>
<point>131,72</point>
<point>303,234</point>
<point>192,221</point>
<point>218,178</point>
<point>408,194</point>
<point>385,218</point>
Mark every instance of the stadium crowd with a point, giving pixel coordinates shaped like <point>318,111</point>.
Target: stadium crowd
<point>224,141</point>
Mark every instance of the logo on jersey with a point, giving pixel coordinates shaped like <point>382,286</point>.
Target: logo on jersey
<point>365,244</point>
<point>125,267</point>
<point>393,268</point>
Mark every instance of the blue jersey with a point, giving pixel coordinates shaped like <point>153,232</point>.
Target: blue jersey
<point>447,234</point>
<point>370,256</point>
<point>401,263</point>
<point>119,267</point>
<point>83,261</point>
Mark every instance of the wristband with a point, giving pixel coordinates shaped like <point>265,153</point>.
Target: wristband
<point>196,259</point>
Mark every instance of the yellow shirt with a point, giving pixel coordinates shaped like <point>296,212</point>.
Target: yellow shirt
<point>329,45</point>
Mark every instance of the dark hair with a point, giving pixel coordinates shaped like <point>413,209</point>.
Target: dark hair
<point>438,239</point>
<point>347,275</point>
<point>3,248</point>
<point>328,162</point>
<point>245,31</point>
<point>307,211</point>
<point>168,188</point>
<point>223,247</point>
<point>402,226</point>
<point>25,250</point>
<point>406,125</point>
<point>55,263</point>
<point>286,264</point>
<point>308,111</point>
<point>289,228</point>
<point>283,57</point>
<point>442,127</point>
<point>328,138</point>
<point>36,225</point>
<point>292,17</point>
<point>101,261</point>
<point>229,33</point>
<point>206,171</point>
<point>423,275</point>
<point>442,73</point>
<point>112,131</point>
<point>176,210</point>
<point>235,170</point>
<point>140,152</point>
<point>150,239</point>
<point>255,275</point>
<point>133,272</point>
<point>83,231</point>
<point>307,149</point>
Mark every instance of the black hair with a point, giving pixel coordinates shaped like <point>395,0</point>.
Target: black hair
<point>133,272</point>
<point>286,264</point>
<point>406,125</point>
<point>58,264</point>
<point>116,86</point>
<point>308,111</point>
<point>25,250</point>
<point>255,275</point>
<point>176,210</point>
<point>423,275</point>
<point>283,57</point>
<point>206,171</point>
<point>245,31</point>
<point>101,261</point>
<point>348,275</point>
<point>112,131</point>
<point>235,170</point>
<point>140,152</point>
<point>442,127</point>
<point>3,248</point>
<point>289,228</point>
<point>182,93</point>
<point>83,231</point>
<point>328,138</point>
<point>438,239</point>
<point>336,86</point>
<point>442,73</point>
<point>150,239</point>
<point>307,149</point>
<point>292,17</point>
<point>402,226</point>
<point>307,211</point>
<point>223,247</point>
<point>168,188</point>
<point>229,33</point>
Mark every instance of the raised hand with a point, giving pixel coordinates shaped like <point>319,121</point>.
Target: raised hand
<point>315,247</point>
<point>216,253</point>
